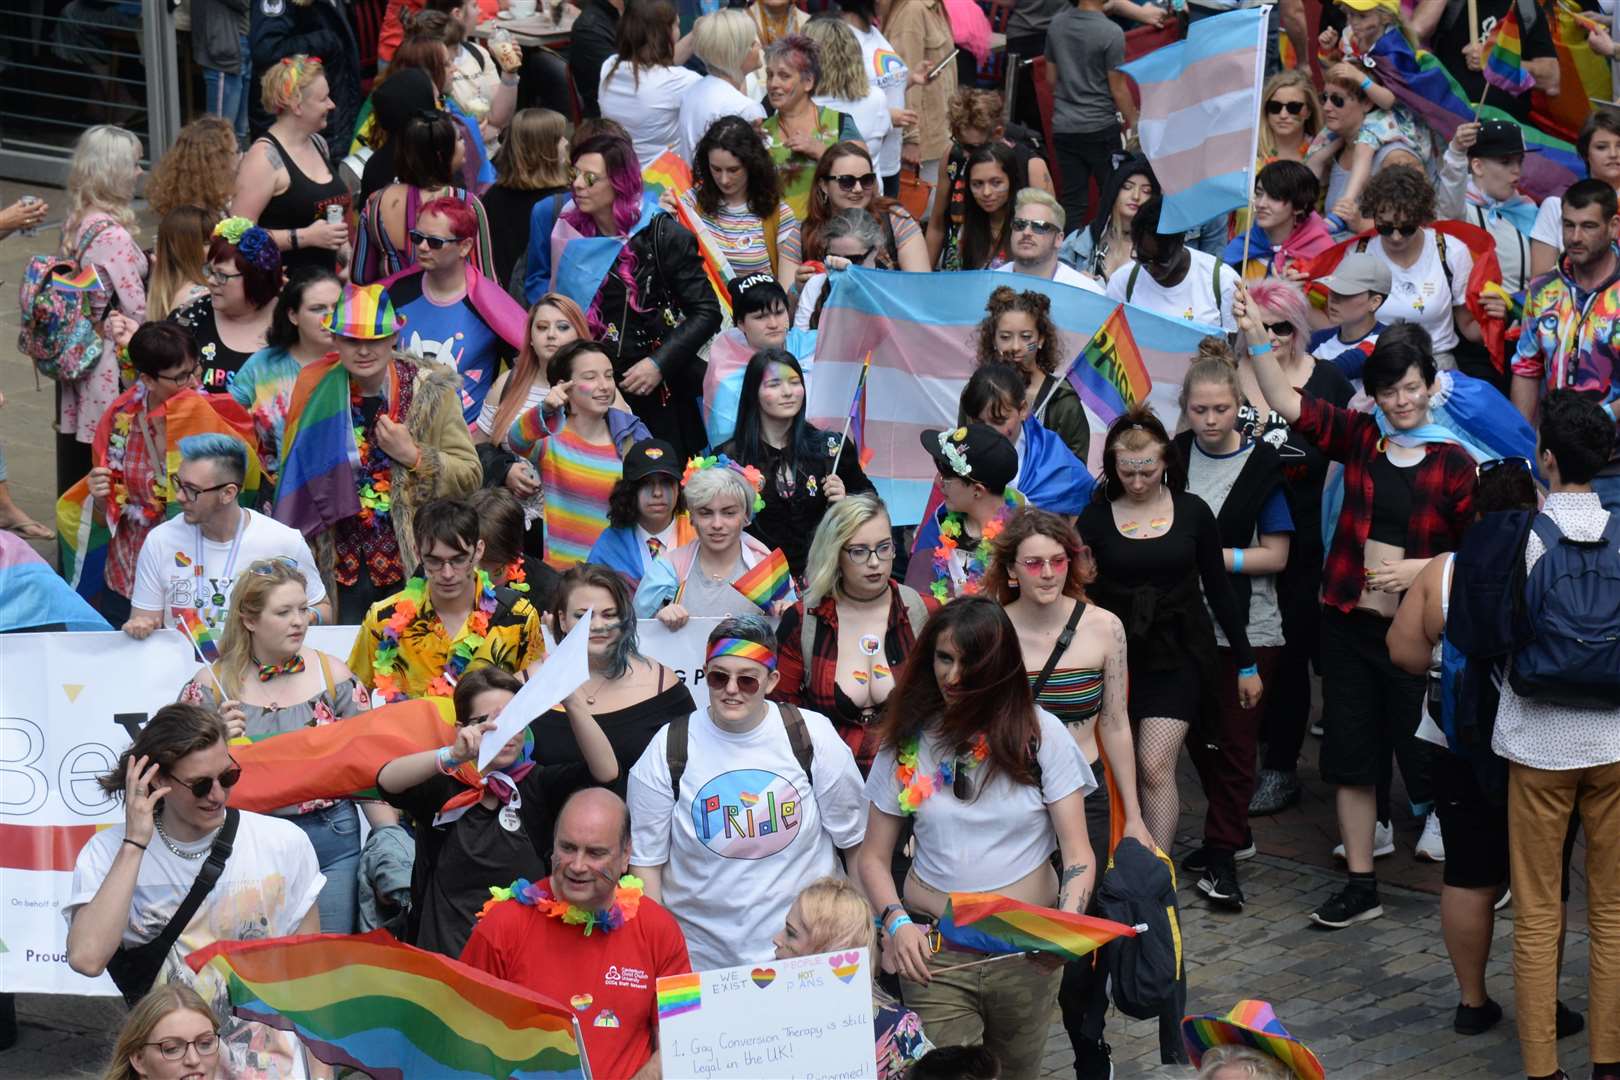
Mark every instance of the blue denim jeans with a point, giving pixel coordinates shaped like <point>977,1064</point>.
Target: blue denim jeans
<point>335,833</point>
<point>227,95</point>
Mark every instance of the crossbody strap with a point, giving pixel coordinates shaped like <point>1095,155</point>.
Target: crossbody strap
<point>206,877</point>
<point>1062,646</point>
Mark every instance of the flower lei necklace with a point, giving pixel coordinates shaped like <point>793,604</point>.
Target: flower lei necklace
<point>376,468</point>
<point>117,446</point>
<point>916,788</point>
<point>537,894</point>
<point>406,608</point>
<point>516,577</point>
<point>950,532</point>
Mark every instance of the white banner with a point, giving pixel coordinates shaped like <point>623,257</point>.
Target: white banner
<point>69,705</point>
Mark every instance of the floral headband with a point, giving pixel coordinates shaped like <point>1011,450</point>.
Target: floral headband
<point>953,453</point>
<point>743,649</point>
<point>754,478</point>
<point>253,242</point>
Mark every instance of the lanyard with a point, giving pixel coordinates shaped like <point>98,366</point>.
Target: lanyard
<point>230,560</point>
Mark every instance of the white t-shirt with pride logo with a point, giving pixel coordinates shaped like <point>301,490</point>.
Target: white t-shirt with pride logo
<point>746,834</point>
<point>167,579</point>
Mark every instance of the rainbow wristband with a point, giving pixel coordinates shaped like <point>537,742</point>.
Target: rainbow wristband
<point>1237,560</point>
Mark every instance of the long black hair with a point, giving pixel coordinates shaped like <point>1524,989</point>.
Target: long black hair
<point>282,333</point>
<point>1108,194</point>
<point>805,444</point>
<point>978,247</point>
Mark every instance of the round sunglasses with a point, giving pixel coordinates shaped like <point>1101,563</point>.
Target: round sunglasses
<point>719,681</point>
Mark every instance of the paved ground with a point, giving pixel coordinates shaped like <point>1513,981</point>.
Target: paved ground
<point>1374,1000</point>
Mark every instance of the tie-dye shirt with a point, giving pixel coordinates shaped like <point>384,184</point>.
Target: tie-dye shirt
<point>578,478</point>
<point>1569,336</point>
<point>264,388</point>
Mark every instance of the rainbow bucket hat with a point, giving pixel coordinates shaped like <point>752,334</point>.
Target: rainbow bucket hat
<point>364,312</point>
<point>1252,1024</point>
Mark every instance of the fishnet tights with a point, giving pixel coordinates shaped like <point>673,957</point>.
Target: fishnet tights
<point>1158,745</point>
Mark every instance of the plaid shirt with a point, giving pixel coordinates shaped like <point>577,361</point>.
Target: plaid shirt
<point>1442,495</point>
<point>819,691</point>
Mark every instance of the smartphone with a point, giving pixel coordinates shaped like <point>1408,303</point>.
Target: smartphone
<point>933,72</point>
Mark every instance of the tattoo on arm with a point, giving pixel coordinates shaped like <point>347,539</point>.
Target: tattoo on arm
<point>273,156</point>
<point>1070,873</point>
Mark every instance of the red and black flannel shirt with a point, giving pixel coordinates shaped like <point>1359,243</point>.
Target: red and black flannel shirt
<point>1442,495</point>
<point>818,691</point>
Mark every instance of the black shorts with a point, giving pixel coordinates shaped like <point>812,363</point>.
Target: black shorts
<point>1367,702</point>
<point>1475,828</point>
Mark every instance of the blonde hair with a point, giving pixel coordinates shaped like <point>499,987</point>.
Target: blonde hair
<point>144,1018</point>
<point>282,87</point>
<point>1039,197</point>
<point>102,176</point>
<point>843,73</point>
<point>529,158</point>
<point>248,598</point>
<point>1215,364</point>
<point>1293,79</point>
<point>836,916</point>
<point>722,40</point>
<point>838,524</point>
<point>1248,1061</point>
<point>182,244</point>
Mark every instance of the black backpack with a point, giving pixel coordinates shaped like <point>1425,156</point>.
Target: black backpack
<point>1145,971</point>
<point>804,749</point>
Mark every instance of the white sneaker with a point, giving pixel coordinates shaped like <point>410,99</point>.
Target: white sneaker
<point>1383,842</point>
<point>1430,847</point>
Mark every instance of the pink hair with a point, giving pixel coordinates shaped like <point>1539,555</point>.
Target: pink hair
<point>624,173</point>
<point>1287,301</point>
<point>463,222</point>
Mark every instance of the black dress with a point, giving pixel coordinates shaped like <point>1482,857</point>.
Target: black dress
<point>795,505</point>
<point>629,729</point>
<point>302,205</point>
<point>508,211</point>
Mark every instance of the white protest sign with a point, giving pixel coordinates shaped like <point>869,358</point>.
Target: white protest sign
<point>565,670</point>
<point>807,1017</point>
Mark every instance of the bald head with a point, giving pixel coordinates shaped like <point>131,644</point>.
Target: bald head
<point>591,850</point>
<point>596,805</point>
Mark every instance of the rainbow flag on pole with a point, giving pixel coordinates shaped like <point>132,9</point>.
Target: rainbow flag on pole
<point>767,581</point>
<point>396,1012</point>
<point>1110,375</point>
<point>992,923</point>
<point>1504,56</point>
<point>669,173</point>
<point>319,454</point>
<point>195,627</point>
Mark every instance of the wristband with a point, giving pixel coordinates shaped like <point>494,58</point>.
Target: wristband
<point>447,763</point>
<point>1260,349</point>
<point>1366,83</point>
<point>902,920</point>
<point>1250,672</point>
<point>295,240</point>
<point>134,843</point>
<point>1237,560</point>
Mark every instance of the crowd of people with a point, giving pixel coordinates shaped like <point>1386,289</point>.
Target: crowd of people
<point>415,353</point>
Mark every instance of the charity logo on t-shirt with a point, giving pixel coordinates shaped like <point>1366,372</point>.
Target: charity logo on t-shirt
<point>747,814</point>
<point>189,589</point>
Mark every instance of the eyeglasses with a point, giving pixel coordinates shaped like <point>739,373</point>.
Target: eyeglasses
<point>720,680</point>
<point>850,181</point>
<point>185,378</point>
<point>591,179</point>
<point>1386,228</point>
<point>216,276</point>
<point>192,491</point>
<point>861,258</point>
<point>200,788</point>
<point>1338,101</point>
<point>175,1049</point>
<point>1045,228</point>
<point>433,564</point>
<point>862,553</point>
<point>1281,329</point>
<point>1292,108</point>
<point>434,243</point>
<point>1035,564</point>
<point>1491,466</point>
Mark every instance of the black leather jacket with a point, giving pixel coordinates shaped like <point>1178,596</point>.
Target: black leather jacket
<point>680,312</point>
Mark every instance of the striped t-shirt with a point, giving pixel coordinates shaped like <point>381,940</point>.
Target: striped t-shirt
<point>578,478</point>
<point>740,236</point>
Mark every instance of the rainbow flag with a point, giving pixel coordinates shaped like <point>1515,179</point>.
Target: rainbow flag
<point>319,455</point>
<point>1421,83</point>
<point>679,994</point>
<point>992,923</point>
<point>1504,56</point>
<point>1109,374</point>
<point>1582,75</point>
<point>201,634</point>
<point>337,761</point>
<point>767,581</point>
<point>393,1011</point>
<point>857,414</point>
<point>670,173</point>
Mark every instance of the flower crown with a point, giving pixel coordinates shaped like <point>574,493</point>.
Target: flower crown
<point>253,242</point>
<point>953,453</point>
<point>754,478</point>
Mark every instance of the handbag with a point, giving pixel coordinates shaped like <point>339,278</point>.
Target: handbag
<point>914,191</point>
<point>134,970</point>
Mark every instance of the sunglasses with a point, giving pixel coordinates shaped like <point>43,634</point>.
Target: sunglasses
<point>850,181</point>
<point>267,567</point>
<point>591,179</point>
<point>434,243</point>
<point>1292,108</point>
<point>1491,466</point>
<point>1386,228</point>
<point>1035,564</point>
<point>860,259</point>
<point>200,788</point>
<point>1281,329</point>
<point>1045,228</point>
<point>719,681</point>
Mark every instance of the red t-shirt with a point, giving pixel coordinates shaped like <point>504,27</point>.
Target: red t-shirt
<point>609,979</point>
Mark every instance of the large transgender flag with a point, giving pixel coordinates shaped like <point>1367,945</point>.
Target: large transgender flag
<point>922,331</point>
<point>1200,116</point>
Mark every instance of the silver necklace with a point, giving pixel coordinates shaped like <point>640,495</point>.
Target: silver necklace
<point>172,846</point>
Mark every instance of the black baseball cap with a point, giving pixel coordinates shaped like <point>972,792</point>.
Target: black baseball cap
<point>651,457</point>
<point>755,293</point>
<point>1497,139</point>
<point>977,453</point>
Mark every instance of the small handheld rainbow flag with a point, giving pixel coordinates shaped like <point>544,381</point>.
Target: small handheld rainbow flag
<point>1504,56</point>
<point>393,1011</point>
<point>1109,374</point>
<point>855,422</point>
<point>767,581</point>
<point>201,634</point>
<point>992,923</point>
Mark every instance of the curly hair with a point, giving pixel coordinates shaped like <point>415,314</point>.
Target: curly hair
<point>812,230</point>
<point>738,138</point>
<point>1037,306</point>
<point>1400,190</point>
<point>194,172</point>
<point>1028,522</point>
<point>970,108</point>
<point>843,75</point>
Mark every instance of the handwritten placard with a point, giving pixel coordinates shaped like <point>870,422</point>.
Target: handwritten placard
<point>808,1017</point>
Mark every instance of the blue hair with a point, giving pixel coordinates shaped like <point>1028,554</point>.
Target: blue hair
<point>229,451</point>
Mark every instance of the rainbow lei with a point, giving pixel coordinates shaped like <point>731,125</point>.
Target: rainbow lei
<point>117,447</point>
<point>916,788</point>
<point>376,469</point>
<point>973,574</point>
<point>517,579</point>
<point>537,894</point>
<point>386,660</point>
<point>753,476</point>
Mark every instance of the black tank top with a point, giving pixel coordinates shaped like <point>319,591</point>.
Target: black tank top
<point>301,205</point>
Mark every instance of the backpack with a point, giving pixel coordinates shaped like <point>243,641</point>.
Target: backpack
<point>804,750</point>
<point>62,302</point>
<point>1145,971</point>
<point>1136,271</point>
<point>1572,600</point>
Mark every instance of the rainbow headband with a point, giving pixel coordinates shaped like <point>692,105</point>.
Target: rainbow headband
<point>742,647</point>
<point>751,475</point>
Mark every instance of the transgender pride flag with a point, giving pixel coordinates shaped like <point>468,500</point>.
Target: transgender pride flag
<point>922,338</point>
<point>1200,117</point>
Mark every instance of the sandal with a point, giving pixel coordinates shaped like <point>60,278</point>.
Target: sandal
<point>31,530</point>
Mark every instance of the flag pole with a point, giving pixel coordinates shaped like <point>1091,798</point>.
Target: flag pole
<point>185,629</point>
<point>1254,151</point>
<point>1473,25</point>
<point>849,418</point>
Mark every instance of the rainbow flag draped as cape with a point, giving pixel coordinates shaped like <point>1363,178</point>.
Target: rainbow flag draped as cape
<point>1504,56</point>
<point>393,1011</point>
<point>319,454</point>
<point>83,540</point>
<point>992,923</point>
<point>767,581</point>
<point>669,173</point>
<point>1110,375</point>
